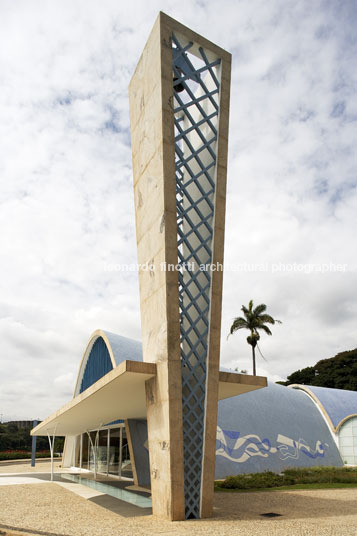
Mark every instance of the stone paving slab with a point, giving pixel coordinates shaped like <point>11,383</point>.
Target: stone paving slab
<point>24,466</point>
<point>50,509</point>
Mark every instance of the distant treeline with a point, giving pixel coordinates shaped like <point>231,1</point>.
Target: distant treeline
<point>339,372</point>
<point>13,437</point>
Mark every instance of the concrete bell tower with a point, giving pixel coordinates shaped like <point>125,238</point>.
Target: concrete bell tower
<point>179,107</point>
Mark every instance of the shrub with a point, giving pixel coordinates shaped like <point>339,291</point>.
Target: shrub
<point>268,479</point>
<point>22,454</point>
<point>310,475</point>
<point>322,475</point>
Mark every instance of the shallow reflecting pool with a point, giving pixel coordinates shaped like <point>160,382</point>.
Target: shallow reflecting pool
<point>109,489</point>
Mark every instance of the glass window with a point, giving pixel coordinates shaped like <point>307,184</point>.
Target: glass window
<point>91,450</point>
<point>85,457</point>
<point>114,451</point>
<point>348,441</point>
<point>102,451</point>
<point>112,454</point>
<point>126,468</point>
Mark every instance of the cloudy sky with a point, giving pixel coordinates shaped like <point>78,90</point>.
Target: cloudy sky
<point>66,199</point>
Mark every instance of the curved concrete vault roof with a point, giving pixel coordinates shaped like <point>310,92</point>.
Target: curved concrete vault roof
<point>271,429</point>
<point>118,348</point>
<point>337,405</point>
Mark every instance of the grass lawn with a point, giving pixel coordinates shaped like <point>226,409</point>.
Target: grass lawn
<point>290,479</point>
<point>326,485</point>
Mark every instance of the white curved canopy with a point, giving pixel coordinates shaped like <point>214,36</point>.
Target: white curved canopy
<point>120,394</point>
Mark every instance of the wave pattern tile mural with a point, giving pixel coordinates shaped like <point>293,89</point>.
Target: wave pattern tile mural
<point>240,448</point>
<point>275,429</point>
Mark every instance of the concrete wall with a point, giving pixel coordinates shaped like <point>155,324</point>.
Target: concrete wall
<point>138,432</point>
<point>152,136</point>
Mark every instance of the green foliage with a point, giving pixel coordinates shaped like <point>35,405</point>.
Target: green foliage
<point>253,481</point>
<point>22,454</point>
<point>254,320</point>
<point>290,477</point>
<point>321,475</point>
<point>339,372</point>
<point>14,438</point>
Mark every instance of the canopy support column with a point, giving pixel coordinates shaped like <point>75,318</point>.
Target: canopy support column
<point>94,447</point>
<point>52,445</point>
<point>33,450</point>
<point>120,450</point>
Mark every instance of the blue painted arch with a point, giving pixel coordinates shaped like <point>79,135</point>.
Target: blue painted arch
<point>98,364</point>
<point>104,352</point>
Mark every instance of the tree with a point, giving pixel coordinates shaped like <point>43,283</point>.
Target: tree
<point>254,320</point>
<point>12,437</point>
<point>339,372</point>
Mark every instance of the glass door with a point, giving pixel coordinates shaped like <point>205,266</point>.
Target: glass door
<point>114,451</point>
<point>102,451</point>
<point>126,469</point>
<point>85,453</point>
<point>91,450</point>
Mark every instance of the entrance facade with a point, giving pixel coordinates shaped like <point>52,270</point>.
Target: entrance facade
<point>347,438</point>
<point>107,448</point>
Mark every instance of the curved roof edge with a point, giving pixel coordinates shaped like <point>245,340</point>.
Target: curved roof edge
<point>119,348</point>
<point>341,423</point>
<point>337,405</point>
<point>316,400</point>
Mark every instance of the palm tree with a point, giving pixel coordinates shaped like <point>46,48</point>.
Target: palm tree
<point>254,320</point>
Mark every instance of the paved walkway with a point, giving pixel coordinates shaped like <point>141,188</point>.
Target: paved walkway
<point>24,466</point>
<point>51,509</point>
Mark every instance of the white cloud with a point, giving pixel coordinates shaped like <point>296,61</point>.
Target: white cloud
<point>66,203</point>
